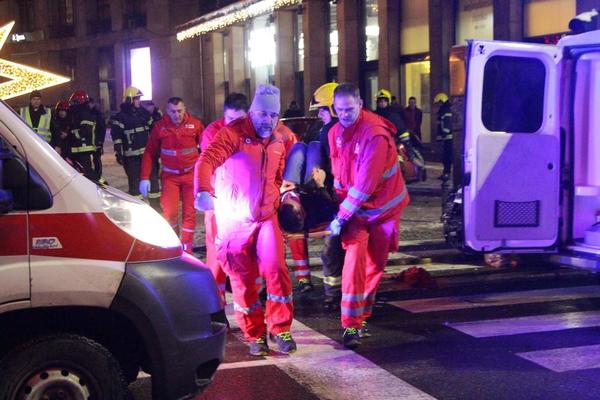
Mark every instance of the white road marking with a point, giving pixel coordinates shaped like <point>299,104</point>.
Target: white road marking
<point>332,372</point>
<point>566,359</point>
<point>497,299</point>
<point>530,324</point>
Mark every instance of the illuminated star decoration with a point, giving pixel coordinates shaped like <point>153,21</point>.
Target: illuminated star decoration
<point>236,13</point>
<point>23,79</point>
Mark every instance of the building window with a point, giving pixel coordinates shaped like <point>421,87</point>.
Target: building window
<point>371,30</point>
<point>61,18</point>
<point>416,84</point>
<point>134,14</point>
<point>140,70</point>
<point>414,23</point>
<point>333,35</point>
<point>262,49</point>
<point>474,20</point>
<point>543,17</point>
<point>299,35</point>
<point>26,15</point>
<point>101,21</point>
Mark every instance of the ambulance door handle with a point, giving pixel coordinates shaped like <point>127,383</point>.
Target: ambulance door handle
<point>550,166</point>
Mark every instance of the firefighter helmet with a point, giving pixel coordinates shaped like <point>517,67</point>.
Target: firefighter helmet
<point>323,97</point>
<point>441,97</point>
<point>130,93</point>
<point>79,97</point>
<point>384,94</point>
<point>62,106</point>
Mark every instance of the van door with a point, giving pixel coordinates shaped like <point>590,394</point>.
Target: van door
<point>14,247</point>
<point>512,147</point>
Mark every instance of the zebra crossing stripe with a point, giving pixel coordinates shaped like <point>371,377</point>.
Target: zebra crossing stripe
<point>327,365</point>
<point>566,359</point>
<point>416,306</point>
<point>530,324</point>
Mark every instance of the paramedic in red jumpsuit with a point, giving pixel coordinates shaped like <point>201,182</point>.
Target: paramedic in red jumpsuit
<point>368,179</point>
<point>175,138</point>
<point>251,157</point>
<point>235,107</point>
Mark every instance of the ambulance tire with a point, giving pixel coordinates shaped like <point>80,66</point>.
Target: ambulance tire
<point>61,366</point>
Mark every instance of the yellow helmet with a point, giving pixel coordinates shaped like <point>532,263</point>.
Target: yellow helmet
<point>130,93</point>
<point>441,97</point>
<point>323,97</point>
<point>384,94</point>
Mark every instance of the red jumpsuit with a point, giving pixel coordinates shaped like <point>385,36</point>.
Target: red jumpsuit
<point>210,224</point>
<point>249,240</point>
<point>368,179</point>
<point>178,149</point>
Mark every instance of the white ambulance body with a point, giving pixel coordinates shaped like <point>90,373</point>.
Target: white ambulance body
<point>94,286</point>
<point>531,153</point>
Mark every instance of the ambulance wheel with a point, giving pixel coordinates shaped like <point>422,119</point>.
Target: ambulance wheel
<point>61,367</point>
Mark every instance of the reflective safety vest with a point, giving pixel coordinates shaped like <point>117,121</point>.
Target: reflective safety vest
<point>43,128</point>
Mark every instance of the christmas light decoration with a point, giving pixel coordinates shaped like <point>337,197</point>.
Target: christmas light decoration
<point>23,79</point>
<point>233,14</point>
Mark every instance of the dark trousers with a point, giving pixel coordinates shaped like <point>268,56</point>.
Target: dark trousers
<point>97,157</point>
<point>133,167</point>
<point>333,262</point>
<point>83,163</point>
<point>300,162</point>
<point>447,155</point>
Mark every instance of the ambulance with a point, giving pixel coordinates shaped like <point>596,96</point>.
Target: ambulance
<point>94,286</point>
<point>531,152</point>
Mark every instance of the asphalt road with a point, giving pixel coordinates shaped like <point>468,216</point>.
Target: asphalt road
<point>530,332</point>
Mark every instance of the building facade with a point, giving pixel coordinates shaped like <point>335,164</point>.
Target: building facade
<point>400,45</point>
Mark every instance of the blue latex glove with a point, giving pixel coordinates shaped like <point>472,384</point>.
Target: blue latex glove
<point>144,187</point>
<point>336,226</point>
<point>204,202</point>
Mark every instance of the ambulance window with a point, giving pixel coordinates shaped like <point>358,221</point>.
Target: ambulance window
<point>21,188</point>
<point>513,94</point>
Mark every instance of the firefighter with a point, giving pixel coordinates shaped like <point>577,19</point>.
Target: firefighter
<point>61,124</point>
<point>368,179</point>
<point>130,131</point>
<point>100,136</point>
<point>384,108</point>
<point>82,139</point>
<point>444,132</point>
<point>176,139</point>
<point>250,241</point>
<point>38,117</point>
<point>235,107</point>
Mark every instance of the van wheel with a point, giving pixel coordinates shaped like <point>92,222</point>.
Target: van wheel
<point>61,367</point>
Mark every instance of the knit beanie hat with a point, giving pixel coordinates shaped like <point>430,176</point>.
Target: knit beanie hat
<point>266,98</point>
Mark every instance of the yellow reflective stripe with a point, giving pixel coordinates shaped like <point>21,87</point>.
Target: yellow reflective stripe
<point>120,125</point>
<point>332,280</point>
<point>154,195</point>
<point>83,149</point>
<point>138,152</point>
<point>117,141</point>
<point>88,122</point>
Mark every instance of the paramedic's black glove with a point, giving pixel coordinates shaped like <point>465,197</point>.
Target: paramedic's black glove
<point>119,158</point>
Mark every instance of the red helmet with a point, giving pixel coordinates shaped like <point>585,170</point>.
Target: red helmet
<point>79,97</point>
<point>62,105</point>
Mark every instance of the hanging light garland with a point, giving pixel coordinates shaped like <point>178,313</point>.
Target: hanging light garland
<point>233,14</point>
<point>22,78</point>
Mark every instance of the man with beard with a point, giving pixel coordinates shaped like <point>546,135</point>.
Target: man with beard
<point>251,157</point>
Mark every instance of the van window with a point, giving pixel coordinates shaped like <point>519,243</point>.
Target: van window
<point>513,94</point>
<point>20,185</point>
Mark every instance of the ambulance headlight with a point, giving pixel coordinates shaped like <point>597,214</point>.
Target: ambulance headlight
<point>137,218</point>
